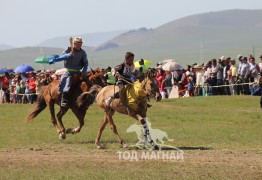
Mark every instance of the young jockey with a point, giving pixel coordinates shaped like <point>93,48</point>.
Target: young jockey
<point>124,70</point>
<point>73,65</point>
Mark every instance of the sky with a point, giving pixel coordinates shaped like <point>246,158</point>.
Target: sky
<point>29,22</point>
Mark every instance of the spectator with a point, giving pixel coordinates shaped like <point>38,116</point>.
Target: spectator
<point>244,72</point>
<point>213,74</point>
<point>5,85</point>
<point>22,92</point>
<point>160,78</point>
<point>110,79</point>
<point>28,93</point>
<point>254,77</point>
<point>181,89</point>
<point>198,72</point>
<point>260,64</point>
<point>32,88</point>
<point>219,74</point>
<point>167,82</point>
<point>226,90</point>
<point>17,90</point>
<point>190,86</point>
<point>232,76</point>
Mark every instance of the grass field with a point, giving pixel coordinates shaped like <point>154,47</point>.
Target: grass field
<point>221,138</point>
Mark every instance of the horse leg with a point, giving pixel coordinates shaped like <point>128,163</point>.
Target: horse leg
<point>80,116</point>
<point>59,116</point>
<point>113,127</point>
<point>101,129</point>
<point>53,119</point>
<point>147,133</point>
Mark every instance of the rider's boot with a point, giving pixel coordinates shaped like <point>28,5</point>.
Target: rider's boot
<point>116,95</point>
<point>64,99</point>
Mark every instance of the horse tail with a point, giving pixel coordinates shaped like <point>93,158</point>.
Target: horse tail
<point>88,98</point>
<point>40,105</point>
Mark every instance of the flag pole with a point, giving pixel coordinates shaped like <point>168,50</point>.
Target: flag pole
<point>71,44</point>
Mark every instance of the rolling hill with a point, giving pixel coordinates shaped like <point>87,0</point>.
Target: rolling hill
<point>5,47</point>
<point>195,38</point>
<point>15,57</point>
<point>91,39</point>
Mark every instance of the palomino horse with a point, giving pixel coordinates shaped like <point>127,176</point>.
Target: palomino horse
<point>49,96</point>
<point>149,85</point>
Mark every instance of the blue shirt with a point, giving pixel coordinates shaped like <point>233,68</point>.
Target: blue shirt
<point>77,62</point>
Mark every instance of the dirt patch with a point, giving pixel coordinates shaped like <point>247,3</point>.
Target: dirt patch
<point>251,158</point>
<point>203,164</point>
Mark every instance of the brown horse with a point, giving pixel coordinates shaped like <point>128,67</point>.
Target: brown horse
<point>49,96</point>
<point>151,88</point>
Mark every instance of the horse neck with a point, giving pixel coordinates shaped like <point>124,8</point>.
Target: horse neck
<point>144,84</point>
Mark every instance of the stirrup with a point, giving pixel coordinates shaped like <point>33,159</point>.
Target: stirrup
<point>64,103</point>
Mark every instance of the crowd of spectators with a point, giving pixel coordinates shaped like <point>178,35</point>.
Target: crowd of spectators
<point>216,77</point>
<point>220,76</point>
<point>22,88</point>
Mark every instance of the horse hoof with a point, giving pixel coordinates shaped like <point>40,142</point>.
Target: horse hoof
<point>69,131</point>
<point>62,136</point>
<point>125,145</point>
<point>155,147</point>
<point>98,145</point>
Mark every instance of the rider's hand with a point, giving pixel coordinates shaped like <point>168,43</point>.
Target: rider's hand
<point>117,74</point>
<point>72,53</point>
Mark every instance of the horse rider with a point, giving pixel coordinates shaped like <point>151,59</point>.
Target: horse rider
<point>123,73</point>
<point>77,62</point>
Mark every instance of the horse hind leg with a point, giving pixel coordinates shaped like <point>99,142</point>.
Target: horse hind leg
<point>101,129</point>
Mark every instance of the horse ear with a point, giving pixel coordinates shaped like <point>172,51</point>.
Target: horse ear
<point>84,87</point>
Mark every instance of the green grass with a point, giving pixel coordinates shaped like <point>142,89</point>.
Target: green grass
<point>229,128</point>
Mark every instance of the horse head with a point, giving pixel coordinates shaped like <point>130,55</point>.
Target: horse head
<point>151,87</point>
<point>94,77</point>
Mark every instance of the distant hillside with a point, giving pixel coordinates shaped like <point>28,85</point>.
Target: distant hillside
<point>15,57</point>
<point>91,39</point>
<point>127,38</point>
<point>195,38</point>
<point>5,47</point>
<point>26,55</point>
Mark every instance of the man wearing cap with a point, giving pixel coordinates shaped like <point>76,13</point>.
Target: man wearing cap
<point>77,62</point>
